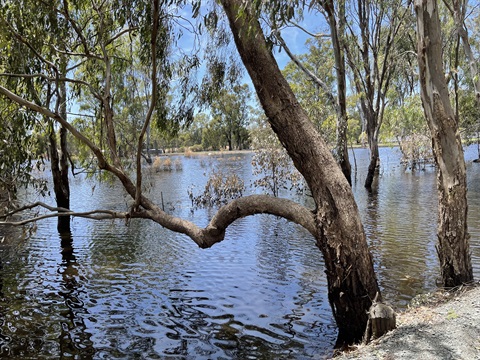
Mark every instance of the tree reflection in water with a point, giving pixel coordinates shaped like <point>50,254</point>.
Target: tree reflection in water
<point>74,339</point>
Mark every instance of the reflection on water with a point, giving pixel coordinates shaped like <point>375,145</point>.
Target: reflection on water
<point>111,291</point>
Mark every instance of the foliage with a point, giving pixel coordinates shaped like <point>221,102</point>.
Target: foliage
<point>20,153</point>
<point>470,119</point>
<point>406,124</point>
<point>230,116</point>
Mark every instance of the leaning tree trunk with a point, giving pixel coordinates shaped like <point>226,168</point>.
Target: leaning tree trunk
<point>339,234</point>
<point>453,239</point>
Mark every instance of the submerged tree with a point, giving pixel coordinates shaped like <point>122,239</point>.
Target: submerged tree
<point>336,21</point>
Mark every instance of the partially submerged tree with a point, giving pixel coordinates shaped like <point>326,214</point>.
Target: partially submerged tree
<point>371,56</point>
<point>453,238</point>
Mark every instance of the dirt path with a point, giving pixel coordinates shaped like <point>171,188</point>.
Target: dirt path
<point>448,327</point>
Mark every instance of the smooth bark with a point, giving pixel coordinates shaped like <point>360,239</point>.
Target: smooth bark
<point>453,238</point>
<point>369,53</point>
<point>458,8</point>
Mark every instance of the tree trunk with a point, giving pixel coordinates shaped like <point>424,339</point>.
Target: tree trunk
<point>374,164</point>
<point>59,168</point>
<point>339,232</point>
<point>336,31</point>
<point>453,238</point>
<point>459,13</point>
<point>59,161</point>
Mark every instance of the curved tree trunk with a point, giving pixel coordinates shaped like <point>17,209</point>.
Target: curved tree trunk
<point>453,238</point>
<point>340,236</point>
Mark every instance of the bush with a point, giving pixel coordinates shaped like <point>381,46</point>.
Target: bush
<point>220,189</point>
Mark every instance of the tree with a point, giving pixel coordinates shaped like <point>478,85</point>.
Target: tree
<point>18,162</point>
<point>334,223</point>
<point>370,53</point>
<point>458,9</point>
<point>230,112</point>
<point>317,100</point>
<point>340,235</point>
<point>23,64</point>
<point>453,238</point>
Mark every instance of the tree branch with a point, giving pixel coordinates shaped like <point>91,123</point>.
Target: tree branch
<point>203,237</point>
<point>237,209</point>
<point>49,78</point>
<point>306,71</point>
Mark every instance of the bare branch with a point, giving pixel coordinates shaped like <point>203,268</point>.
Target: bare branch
<point>115,37</point>
<point>239,208</point>
<point>93,215</point>
<point>318,35</point>
<point>77,54</point>
<point>307,72</point>
<point>203,237</point>
<point>49,78</point>
<point>59,211</point>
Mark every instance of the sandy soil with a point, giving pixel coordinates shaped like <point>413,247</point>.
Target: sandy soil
<point>437,326</point>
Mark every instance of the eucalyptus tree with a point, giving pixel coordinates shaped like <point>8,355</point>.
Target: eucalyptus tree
<point>315,99</point>
<point>458,9</point>
<point>18,163</point>
<point>372,29</point>
<point>452,230</point>
<point>334,223</point>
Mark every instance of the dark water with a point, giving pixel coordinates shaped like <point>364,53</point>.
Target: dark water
<point>112,291</point>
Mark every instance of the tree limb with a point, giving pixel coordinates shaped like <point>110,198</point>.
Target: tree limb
<point>307,72</point>
<point>203,237</point>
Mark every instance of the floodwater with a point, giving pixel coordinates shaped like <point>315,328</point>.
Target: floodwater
<point>112,290</point>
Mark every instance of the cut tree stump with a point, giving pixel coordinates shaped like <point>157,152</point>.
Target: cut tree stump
<point>381,319</point>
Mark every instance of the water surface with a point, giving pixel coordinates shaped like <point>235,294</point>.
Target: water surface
<point>112,290</point>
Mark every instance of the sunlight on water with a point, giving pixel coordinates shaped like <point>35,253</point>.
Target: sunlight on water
<point>117,291</point>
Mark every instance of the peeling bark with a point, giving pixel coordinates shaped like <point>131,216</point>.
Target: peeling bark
<point>452,232</point>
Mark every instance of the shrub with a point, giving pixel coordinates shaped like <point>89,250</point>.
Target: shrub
<point>220,189</point>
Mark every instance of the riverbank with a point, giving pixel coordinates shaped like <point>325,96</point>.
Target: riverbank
<point>444,325</point>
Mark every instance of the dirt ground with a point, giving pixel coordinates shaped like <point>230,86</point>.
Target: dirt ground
<point>443,325</point>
